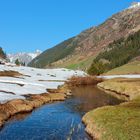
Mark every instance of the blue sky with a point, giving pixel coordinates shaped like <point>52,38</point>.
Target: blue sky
<point>27,25</point>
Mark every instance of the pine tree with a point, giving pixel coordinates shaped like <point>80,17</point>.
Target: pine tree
<point>17,62</point>
<point>2,53</point>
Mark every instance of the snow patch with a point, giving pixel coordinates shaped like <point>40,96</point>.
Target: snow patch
<point>33,81</point>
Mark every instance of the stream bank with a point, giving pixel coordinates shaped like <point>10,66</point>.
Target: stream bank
<point>31,102</point>
<point>61,120</point>
<point>120,121</point>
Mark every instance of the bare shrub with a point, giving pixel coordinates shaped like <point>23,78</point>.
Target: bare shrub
<point>88,80</point>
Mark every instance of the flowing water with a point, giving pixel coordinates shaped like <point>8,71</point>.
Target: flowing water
<point>58,121</point>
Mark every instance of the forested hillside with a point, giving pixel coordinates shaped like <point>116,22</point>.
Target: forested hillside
<point>116,54</point>
<point>51,55</point>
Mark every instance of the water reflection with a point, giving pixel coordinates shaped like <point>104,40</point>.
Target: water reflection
<point>90,97</point>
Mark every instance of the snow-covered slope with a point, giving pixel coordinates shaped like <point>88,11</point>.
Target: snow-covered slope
<point>32,81</point>
<point>23,57</point>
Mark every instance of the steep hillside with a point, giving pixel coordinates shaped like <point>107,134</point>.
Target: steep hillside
<point>78,52</point>
<point>56,53</point>
<point>117,54</point>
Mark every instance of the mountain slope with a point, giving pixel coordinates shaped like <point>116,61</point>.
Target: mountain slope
<point>88,44</point>
<point>56,53</point>
<point>117,54</point>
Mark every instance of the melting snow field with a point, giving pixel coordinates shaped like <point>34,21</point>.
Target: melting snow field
<point>33,81</point>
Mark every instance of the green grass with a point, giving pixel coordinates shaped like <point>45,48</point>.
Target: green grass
<point>73,66</point>
<point>130,68</point>
<point>121,122</point>
<point>83,65</point>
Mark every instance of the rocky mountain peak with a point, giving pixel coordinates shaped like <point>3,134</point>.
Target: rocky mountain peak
<point>23,56</point>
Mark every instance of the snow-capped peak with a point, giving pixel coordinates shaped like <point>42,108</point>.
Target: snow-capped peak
<point>23,57</point>
<point>134,5</point>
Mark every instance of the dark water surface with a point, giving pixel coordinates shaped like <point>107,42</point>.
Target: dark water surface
<point>57,121</point>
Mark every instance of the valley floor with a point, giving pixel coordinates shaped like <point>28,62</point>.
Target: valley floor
<point>22,89</point>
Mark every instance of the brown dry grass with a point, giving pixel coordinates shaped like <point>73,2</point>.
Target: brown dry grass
<point>23,106</point>
<point>89,80</point>
<point>10,73</point>
<point>128,87</point>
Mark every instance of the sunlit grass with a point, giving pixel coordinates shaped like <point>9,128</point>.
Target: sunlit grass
<point>121,122</point>
<point>130,68</point>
